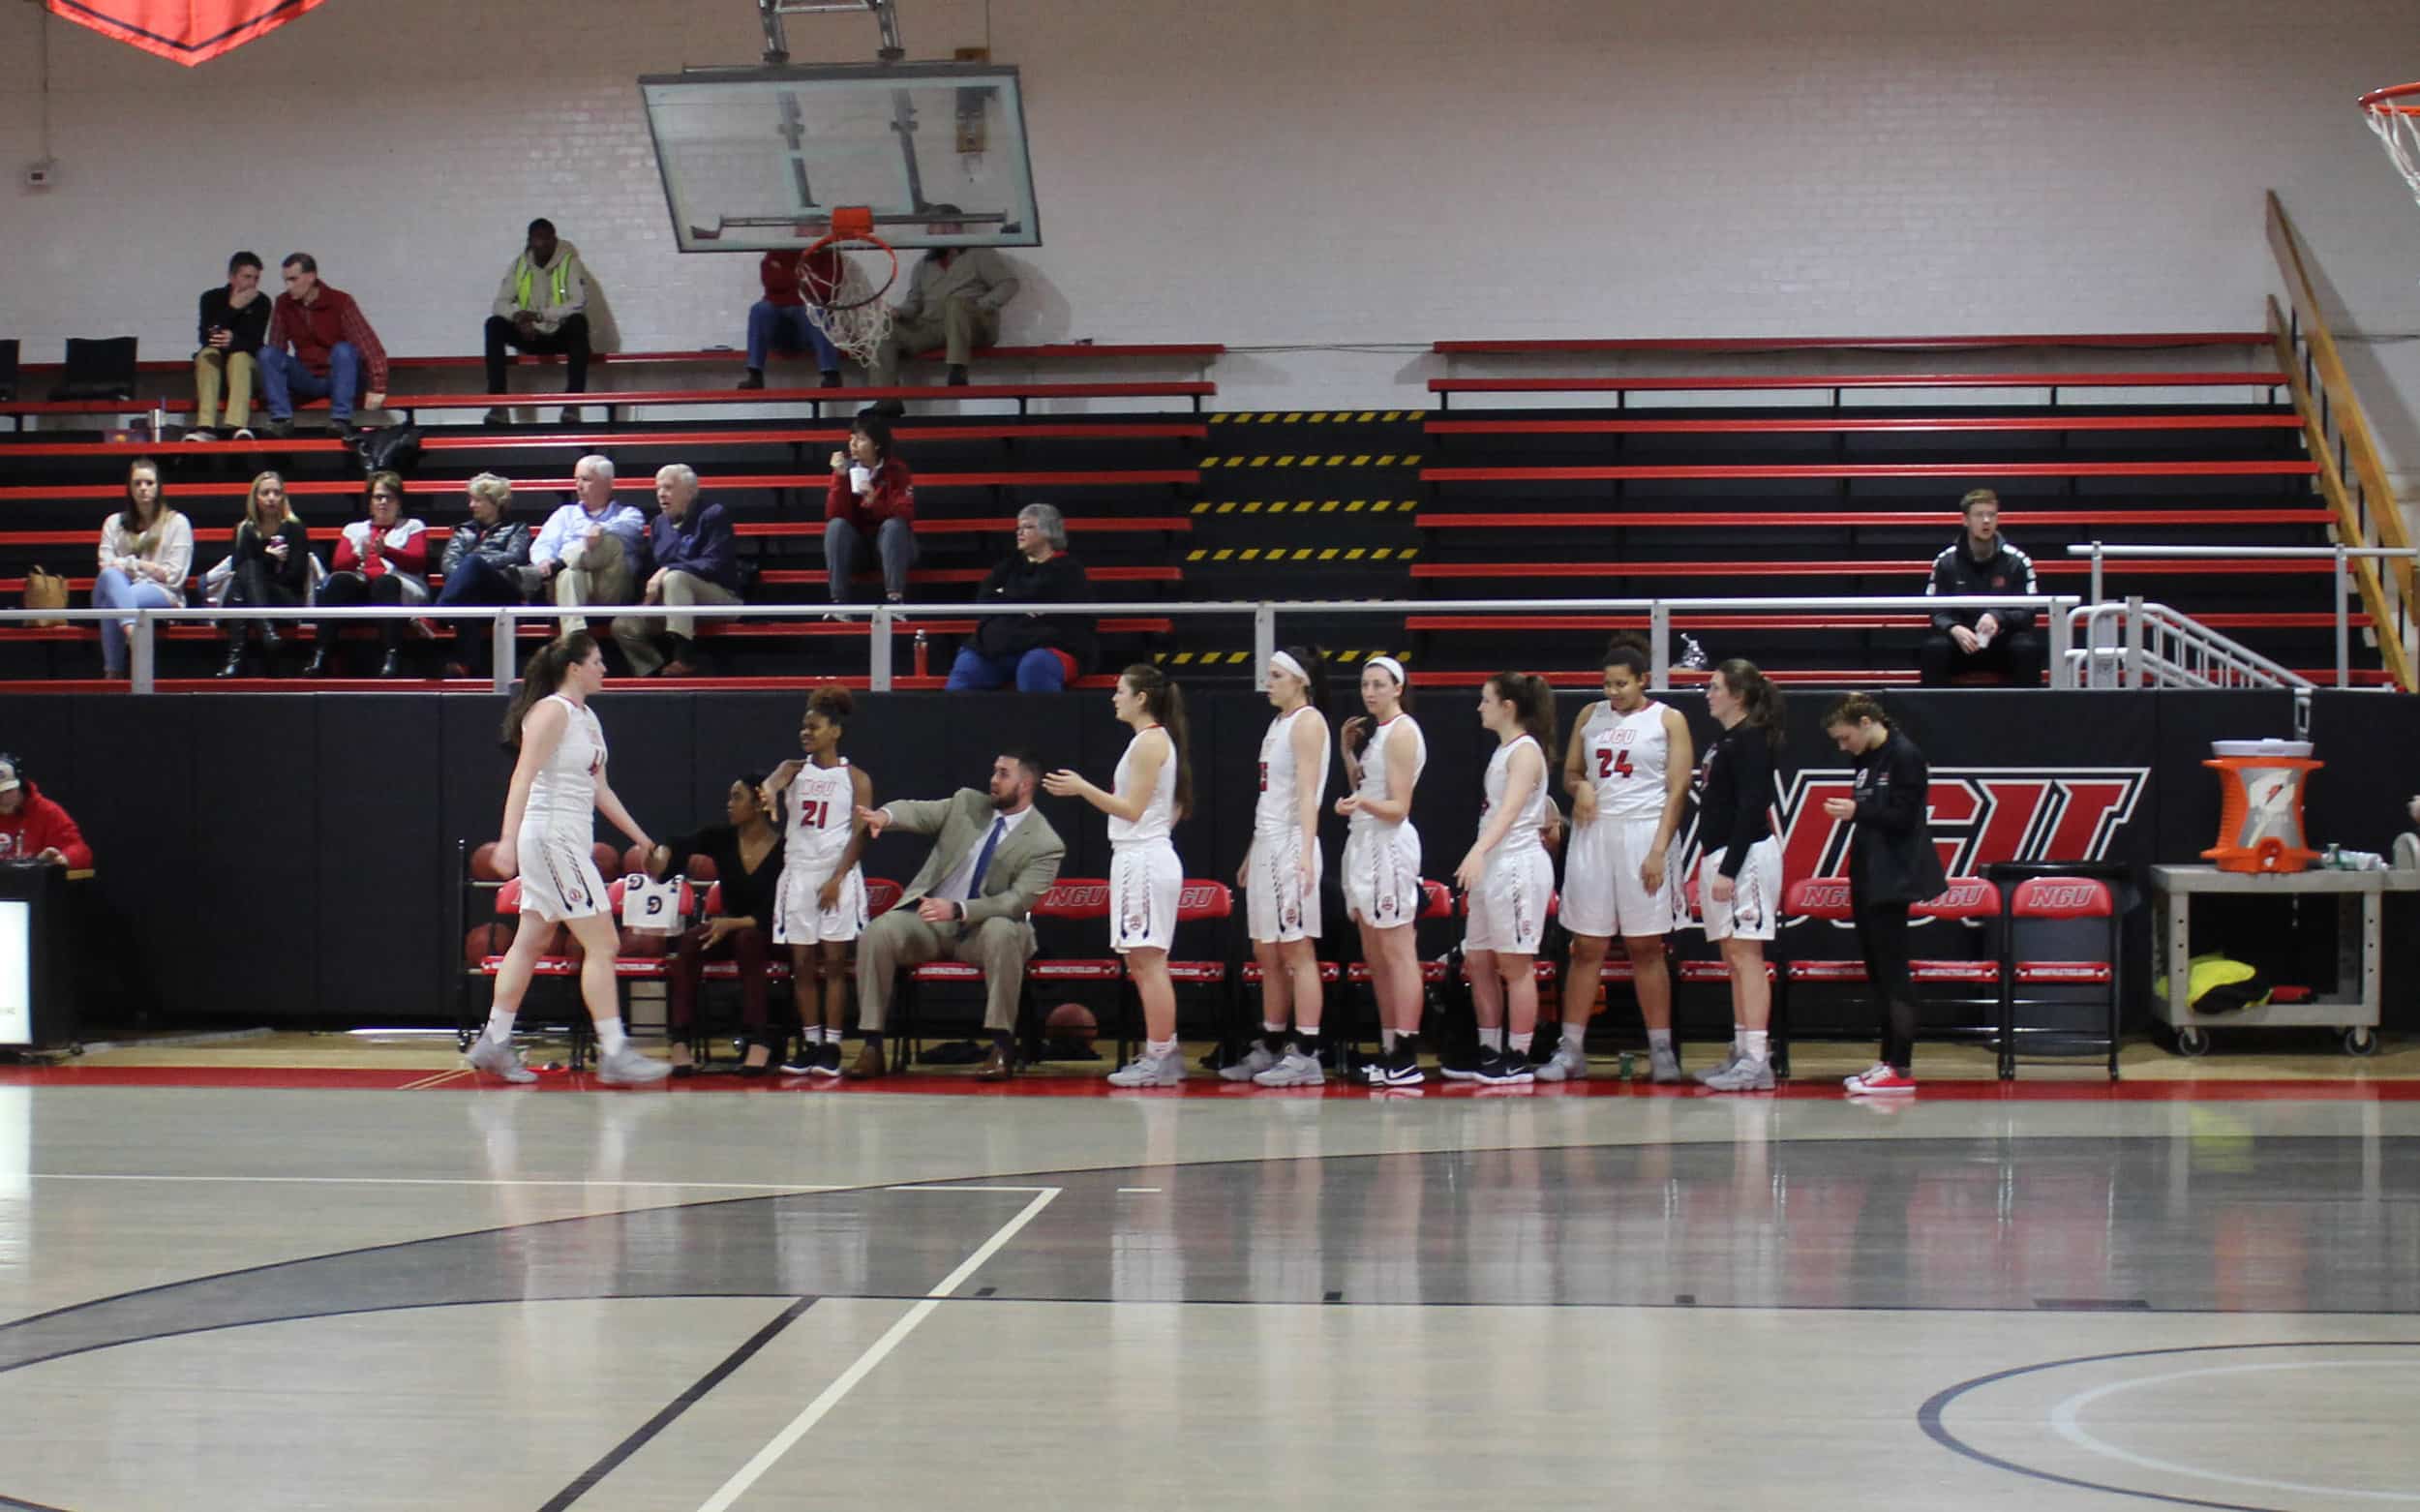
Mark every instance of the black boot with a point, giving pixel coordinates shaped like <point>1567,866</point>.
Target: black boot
<point>754,379</point>
<point>235,667</point>
<point>393,665</point>
<point>957,375</point>
<point>319,659</point>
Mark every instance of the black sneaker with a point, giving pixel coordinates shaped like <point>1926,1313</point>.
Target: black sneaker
<point>827,1059</point>
<point>1504,1068</point>
<point>1461,1065</point>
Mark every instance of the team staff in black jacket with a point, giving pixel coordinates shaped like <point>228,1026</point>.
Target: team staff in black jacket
<point>1970,638</point>
<point>1891,865</point>
<point>1739,877</point>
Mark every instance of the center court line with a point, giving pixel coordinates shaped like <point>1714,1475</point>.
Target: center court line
<point>444,1181</point>
<point>749,1474</point>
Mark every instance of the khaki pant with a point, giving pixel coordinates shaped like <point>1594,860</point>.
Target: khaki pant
<point>961,327</point>
<point>637,632</point>
<point>899,938</point>
<point>236,370</point>
<point>598,574</point>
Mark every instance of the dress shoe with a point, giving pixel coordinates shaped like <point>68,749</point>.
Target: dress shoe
<point>831,378</point>
<point>497,416</point>
<point>675,669</point>
<point>279,429</point>
<point>998,1066</point>
<point>754,379</point>
<point>319,667</point>
<point>956,378</point>
<point>868,1065</point>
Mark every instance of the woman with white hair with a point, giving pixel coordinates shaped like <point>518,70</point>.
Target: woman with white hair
<point>483,561</point>
<point>1040,651</point>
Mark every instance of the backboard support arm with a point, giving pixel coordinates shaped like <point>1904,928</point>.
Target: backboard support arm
<point>769,14</point>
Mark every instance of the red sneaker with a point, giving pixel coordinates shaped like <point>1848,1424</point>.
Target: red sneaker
<point>1882,1077</point>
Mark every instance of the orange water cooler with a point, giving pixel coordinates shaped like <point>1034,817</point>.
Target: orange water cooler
<point>2260,806</point>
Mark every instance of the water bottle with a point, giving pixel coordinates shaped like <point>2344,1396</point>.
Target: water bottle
<point>922,653</point>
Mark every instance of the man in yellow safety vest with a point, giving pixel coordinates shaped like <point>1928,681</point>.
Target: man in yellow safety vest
<point>541,307</point>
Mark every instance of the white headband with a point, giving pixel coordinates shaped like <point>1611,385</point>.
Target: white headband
<point>1286,663</point>
<point>1393,668</point>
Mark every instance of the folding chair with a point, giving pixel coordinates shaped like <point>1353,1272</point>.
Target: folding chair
<point>2053,906</point>
<point>97,368</point>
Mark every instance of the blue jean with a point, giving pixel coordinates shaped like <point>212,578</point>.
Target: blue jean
<point>283,379</point>
<point>477,580</point>
<point>843,544</point>
<point>1038,671</point>
<point>773,327</point>
<point>114,590</point>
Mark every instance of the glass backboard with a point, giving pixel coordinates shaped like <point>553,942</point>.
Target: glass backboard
<point>755,160</point>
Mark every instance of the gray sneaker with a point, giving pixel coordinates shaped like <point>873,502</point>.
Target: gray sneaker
<point>1297,1069</point>
<point>1564,1065</point>
<point>498,1058</point>
<point>1255,1060</point>
<point>1147,1069</point>
<point>1731,1057</point>
<point>1663,1066</point>
<point>627,1068</point>
<point>1742,1076</point>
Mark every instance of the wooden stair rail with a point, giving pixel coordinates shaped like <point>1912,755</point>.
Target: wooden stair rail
<point>2351,475</point>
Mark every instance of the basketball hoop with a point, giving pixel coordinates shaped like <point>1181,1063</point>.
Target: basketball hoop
<point>844,303</point>
<point>2394,115</point>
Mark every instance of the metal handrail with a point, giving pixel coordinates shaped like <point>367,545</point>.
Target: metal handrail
<point>2166,649</point>
<point>884,620</point>
<point>2342,556</point>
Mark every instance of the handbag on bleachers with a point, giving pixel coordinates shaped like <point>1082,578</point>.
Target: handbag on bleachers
<point>45,589</point>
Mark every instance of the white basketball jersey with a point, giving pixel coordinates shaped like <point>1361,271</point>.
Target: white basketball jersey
<point>1275,811</point>
<point>562,796</point>
<point>1159,816</point>
<point>1531,819</point>
<point>823,811</point>
<point>1626,755</point>
<point>1403,727</point>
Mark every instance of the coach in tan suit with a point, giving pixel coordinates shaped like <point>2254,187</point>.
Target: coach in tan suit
<point>995,859</point>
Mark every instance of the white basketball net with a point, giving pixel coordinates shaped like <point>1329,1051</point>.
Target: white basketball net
<point>2397,123</point>
<point>858,331</point>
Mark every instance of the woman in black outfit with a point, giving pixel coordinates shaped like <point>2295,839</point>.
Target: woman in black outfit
<point>1739,877</point>
<point>270,568</point>
<point>747,853</point>
<point>1892,864</point>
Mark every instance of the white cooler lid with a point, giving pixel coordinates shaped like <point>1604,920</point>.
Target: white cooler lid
<point>2290,748</point>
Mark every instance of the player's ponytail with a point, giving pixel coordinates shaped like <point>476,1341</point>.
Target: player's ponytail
<point>541,676</point>
<point>1165,702</point>
<point>1760,701</point>
<point>1534,701</point>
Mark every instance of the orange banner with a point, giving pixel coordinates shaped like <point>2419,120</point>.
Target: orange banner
<point>188,31</point>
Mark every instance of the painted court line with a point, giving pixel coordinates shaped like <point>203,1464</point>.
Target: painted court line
<point>749,1473</point>
<point>448,1181</point>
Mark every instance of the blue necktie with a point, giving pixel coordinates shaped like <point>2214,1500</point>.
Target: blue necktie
<point>982,859</point>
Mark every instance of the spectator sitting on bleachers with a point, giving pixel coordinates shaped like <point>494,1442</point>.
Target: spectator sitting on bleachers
<point>34,828</point>
<point>235,320</point>
<point>146,550</point>
<point>778,323</point>
<point>590,551</point>
<point>872,493</point>
<point>484,561</point>
<point>953,300</point>
<point>541,306</point>
<point>696,562</point>
<point>1967,639</point>
<point>1041,651</point>
<point>380,560</point>
<point>336,355</point>
<point>269,566</point>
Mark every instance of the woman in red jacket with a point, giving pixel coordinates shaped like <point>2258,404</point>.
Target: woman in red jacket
<point>33,828</point>
<point>872,495</point>
<point>382,560</point>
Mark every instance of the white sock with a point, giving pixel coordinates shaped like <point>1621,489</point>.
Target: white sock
<point>1739,1038</point>
<point>1492,1038</point>
<point>1575,1038</point>
<point>1520,1043</point>
<point>609,1035</point>
<point>1753,1043</point>
<point>1659,1041</point>
<point>1386,1038</point>
<point>1160,1049</point>
<point>1267,1027</point>
<point>500,1024</point>
<point>814,1033</point>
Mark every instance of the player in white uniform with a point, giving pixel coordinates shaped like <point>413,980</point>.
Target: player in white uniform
<point>1627,770</point>
<point>1281,876</point>
<point>1384,754</point>
<point>1508,879</point>
<point>1152,789</point>
<point>820,907</point>
<point>558,786</point>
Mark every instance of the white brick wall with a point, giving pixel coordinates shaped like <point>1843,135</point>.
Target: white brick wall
<point>1272,173</point>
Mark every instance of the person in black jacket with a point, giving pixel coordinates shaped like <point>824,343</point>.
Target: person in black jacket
<point>1043,651</point>
<point>1892,864</point>
<point>1972,638</point>
<point>746,851</point>
<point>233,320</point>
<point>1740,880</point>
<point>269,567</point>
<point>484,562</point>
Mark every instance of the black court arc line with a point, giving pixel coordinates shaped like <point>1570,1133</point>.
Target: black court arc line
<point>1930,1416</point>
